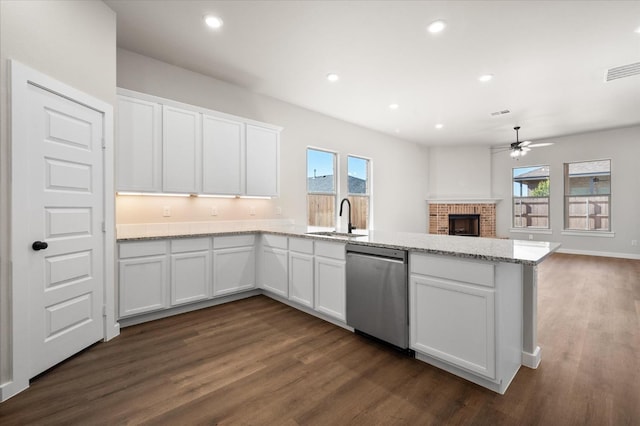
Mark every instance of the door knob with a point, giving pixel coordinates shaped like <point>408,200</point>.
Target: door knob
<point>39,245</point>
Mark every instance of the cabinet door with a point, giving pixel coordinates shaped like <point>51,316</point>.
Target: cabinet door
<point>181,150</point>
<point>234,270</point>
<point>222,156</point>
<point>453,322</point>
<point>262,163</point>
<point>138,146</point>
<point>330,287</point>
<point>190,277</point>
<point>142,284</point>
<point>301,278</point>
<point>274,273</point>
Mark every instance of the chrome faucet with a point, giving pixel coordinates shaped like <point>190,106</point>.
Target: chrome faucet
<point>350,227</point>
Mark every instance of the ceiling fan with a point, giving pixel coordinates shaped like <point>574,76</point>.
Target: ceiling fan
<point>519,149</point>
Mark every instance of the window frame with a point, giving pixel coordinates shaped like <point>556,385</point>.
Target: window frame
<point>368,192</point>
<point>336,182</point>
<point>567,195</point>
<point>515,228</point>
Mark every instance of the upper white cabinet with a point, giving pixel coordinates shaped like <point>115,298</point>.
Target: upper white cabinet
<point>181,147</point>
<point>138,154</point>
<point>222,156</point>
<point>167,146</point>
<point>263,156</point>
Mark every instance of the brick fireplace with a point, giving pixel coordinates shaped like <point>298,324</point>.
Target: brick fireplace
<point>439,216</point>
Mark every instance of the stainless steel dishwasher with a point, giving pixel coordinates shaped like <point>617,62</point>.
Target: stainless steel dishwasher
<point>377,293</point>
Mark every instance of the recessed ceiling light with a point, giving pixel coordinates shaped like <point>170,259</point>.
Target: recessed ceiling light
<point>213,21</point>
<point>439,126</point>
<point>333,77</point>
<point>394,106</point>
<point>397,130</point>
<point>436,26</point>
<point>486,77</point>
<point>637,30</point>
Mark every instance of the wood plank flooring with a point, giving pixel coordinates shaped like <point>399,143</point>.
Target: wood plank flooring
<point>257,361</point>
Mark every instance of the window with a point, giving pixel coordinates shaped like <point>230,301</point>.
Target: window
<point>531,197</point>
<point>321,188</point>
<point>358,191</point>
<point>587,195</point>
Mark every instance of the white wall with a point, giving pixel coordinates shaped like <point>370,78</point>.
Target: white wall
<point>399,167</point>
<point>71,41</point>
<point>459,172</point>
<point>622,147</point>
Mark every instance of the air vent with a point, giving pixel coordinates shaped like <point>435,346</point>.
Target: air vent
<point>623,71</point>
<point>504,111</point>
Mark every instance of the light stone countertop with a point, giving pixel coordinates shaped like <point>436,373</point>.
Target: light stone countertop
<point>528,253</point>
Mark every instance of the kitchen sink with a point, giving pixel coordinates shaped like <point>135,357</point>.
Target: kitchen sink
<point>336,234</point>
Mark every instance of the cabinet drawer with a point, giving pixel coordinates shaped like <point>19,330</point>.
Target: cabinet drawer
<point>142,248</point>
<point>332,250</point>
<point>276,241</point>
<point>301,245</point>
<point>452,268</point>
<point>189,244</point>
<point>234,241</point>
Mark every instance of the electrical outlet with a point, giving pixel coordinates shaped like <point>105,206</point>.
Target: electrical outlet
<point>252,211</point>
<point>278,211</point>
<point>531,236</point>
<point>634,242</point>
<point>166,211</point>
<point>214,211</point>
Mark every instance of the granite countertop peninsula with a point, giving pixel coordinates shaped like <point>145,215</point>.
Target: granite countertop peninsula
<point>528,253</point>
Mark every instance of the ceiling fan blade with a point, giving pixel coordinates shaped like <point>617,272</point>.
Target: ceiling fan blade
<point>525,143</point>
<point>538,145</point>
<point>525,149</point>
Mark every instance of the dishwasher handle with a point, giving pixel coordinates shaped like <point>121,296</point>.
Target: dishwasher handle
<point>377,258</point>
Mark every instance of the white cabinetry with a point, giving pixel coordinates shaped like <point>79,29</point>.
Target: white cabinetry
<point>330,278</point>
<point>190,270</point>
<point>274,272</point>
<point>181,149</point>
<point>143,271</point>
<point>263,156</point>
<point>466,317</point>
<point>301,271</point>
<point>222,156</point>
<point>234,262</point>
<point>138,156</point>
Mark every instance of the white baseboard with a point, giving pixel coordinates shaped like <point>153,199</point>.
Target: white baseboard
<point>532,360</point>
<point>600,253</point>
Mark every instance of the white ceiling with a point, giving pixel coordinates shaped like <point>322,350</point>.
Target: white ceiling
<point>548,58</point>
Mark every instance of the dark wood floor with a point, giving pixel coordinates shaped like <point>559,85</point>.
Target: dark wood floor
<point>257,361</point>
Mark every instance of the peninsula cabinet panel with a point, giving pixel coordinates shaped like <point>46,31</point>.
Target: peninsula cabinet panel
<point>222,156</point>
<point>142,284</point>
<point>234,270</point>
<point>181,150</point>
<point>263,152</point>
<point>138,146</point>
<point>454,322</point>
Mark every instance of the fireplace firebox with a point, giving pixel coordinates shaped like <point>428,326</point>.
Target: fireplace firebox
<point>467,225</point>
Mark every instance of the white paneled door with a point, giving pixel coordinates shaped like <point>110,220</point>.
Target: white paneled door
<point>66,214</point>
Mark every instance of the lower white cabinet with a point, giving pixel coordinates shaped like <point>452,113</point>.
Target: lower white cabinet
<point>330,279</point>
<point>190,270</point>
<point>274,272</point>
<point>441,309</point>
<point>234,260</point>
<point>143,271</point>
<point>301,271</point>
